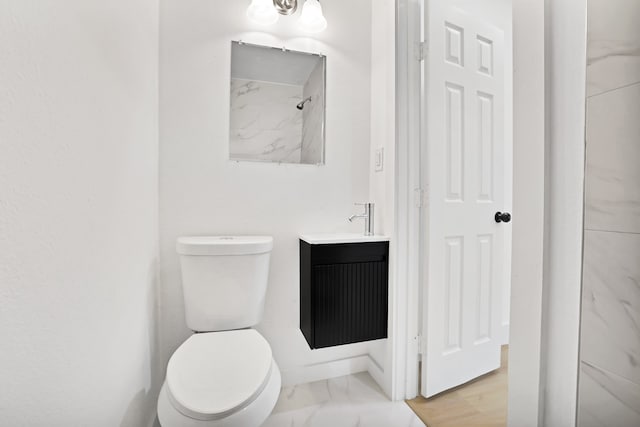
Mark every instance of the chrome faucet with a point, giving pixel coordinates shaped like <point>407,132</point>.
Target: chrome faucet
<point>368,218</point>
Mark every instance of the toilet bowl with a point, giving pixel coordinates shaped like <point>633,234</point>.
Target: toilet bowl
<point>224,375</point>
<point>220,379</point>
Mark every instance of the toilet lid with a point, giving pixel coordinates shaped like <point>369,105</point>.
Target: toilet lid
<point>215,374</point>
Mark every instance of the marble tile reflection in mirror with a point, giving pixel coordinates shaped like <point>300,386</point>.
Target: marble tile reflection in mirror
<point>277,105</point>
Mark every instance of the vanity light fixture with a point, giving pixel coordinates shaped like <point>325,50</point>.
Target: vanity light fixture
<point>262,12</point>
<point>286,7</point>
<point>312,20</point>
<point>265,12</point>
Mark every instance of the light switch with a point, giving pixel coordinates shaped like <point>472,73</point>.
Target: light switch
<point>379,159</point>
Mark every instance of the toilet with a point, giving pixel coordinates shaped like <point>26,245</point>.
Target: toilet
<point>223,375</point>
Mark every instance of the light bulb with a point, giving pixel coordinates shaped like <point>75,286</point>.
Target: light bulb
<point>262,12</point>
<point>311,19</point>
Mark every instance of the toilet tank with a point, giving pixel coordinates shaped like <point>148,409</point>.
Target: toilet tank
<point>224,280</point>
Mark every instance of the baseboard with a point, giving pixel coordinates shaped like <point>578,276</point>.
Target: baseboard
<point>326,370</point>
<point>377,373</point>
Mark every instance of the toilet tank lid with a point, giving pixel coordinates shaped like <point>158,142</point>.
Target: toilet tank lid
<point>224,245</point>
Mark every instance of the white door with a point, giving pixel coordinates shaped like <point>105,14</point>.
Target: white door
<point>464,168</point>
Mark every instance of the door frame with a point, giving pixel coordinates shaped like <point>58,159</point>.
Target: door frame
<point>541,74</point>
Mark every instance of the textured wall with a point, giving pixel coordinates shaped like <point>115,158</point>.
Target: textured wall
<point>610,340</point>
<point>78,209</point>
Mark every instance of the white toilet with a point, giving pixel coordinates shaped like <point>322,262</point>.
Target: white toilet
<point>224,375</point>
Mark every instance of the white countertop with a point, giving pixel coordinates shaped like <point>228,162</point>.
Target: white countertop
<point>331,238</point>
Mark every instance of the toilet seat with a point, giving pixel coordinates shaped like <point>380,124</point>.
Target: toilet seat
<point>213,375</point>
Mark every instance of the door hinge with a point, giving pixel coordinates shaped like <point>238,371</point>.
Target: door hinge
<point>420,197</point>
<point>422,51</point>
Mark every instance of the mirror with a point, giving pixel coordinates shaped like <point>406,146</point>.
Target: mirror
<point>277,105</point>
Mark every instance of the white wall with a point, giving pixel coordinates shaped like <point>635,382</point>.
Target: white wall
<point>202,192</point>
<point>383,112</point>
<point>78,212</point>
<point>382,183</point>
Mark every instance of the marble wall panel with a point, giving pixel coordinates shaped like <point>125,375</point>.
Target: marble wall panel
<point>611,303</point>
<point>613,44</point>
<point>313,125</point>
<point>265,123</point>
<point>609,392</point>
<point>607,400</point>
<point>613,160</point>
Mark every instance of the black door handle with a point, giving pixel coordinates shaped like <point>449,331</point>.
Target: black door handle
<point>502,217</point>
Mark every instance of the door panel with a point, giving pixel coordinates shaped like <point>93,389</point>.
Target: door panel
<point>464,76</point>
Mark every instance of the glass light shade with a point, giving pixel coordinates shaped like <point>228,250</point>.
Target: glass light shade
<point>312,20</point>
<point>262,12</point>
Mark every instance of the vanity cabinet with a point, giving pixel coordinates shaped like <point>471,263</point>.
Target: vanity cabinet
<point>344,292</point>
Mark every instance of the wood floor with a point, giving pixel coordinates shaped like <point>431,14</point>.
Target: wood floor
<point>479,403</point>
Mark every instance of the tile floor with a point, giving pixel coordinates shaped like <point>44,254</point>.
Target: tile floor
<point>351,401</point>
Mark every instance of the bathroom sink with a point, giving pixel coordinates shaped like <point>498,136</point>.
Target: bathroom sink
<point>332,238</point>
